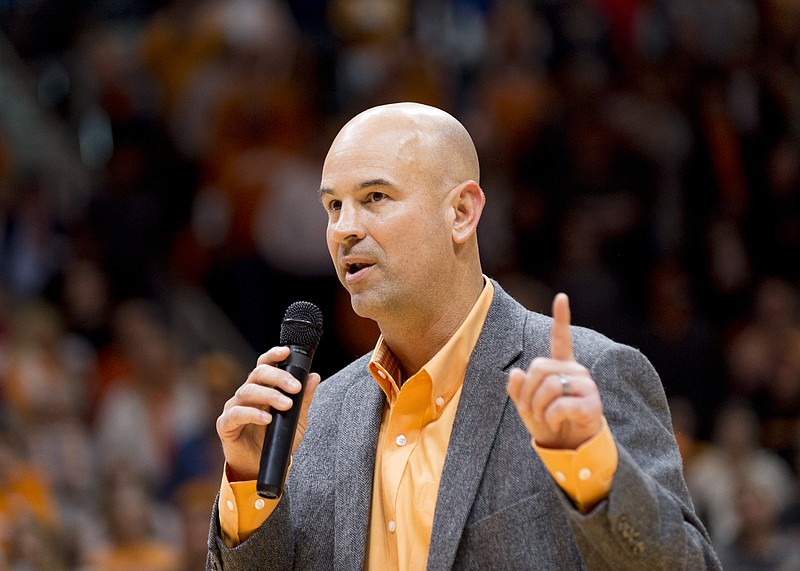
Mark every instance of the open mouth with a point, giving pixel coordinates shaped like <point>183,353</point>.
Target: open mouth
<point>355,268</point>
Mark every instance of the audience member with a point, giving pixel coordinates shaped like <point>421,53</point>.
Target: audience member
<point>192,500</point>
<point>35,547</point>
<point>198,457</point>
<point>137,538</point>
<point>789,519</point>
<point>47,386</point>
<point>758,543</point>
<point>141,420</point>
<point>714,476</point>
<point>24,493</point>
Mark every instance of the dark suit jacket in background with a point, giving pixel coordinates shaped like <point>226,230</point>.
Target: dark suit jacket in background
<point>498,507</point>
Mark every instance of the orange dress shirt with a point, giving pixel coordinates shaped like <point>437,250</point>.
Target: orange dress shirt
<point>412,445</point>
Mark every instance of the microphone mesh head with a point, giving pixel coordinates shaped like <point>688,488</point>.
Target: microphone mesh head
<point>302,325</point>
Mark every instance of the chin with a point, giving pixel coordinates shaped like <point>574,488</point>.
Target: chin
<point>362,306</point>
<point>369,304</point>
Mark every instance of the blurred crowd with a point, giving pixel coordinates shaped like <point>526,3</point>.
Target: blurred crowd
<point>159,167</point>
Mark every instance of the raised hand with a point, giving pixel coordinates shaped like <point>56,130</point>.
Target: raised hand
<point>556,397</point>
<point>241,425</point>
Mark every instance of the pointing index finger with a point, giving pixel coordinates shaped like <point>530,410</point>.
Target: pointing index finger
<point>561,340</point>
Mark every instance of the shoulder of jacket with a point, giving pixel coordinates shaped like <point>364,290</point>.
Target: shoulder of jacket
<point>340,382</point>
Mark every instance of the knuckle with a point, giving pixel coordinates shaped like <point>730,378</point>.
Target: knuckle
<point>246,390</point>
<point>596,406</point>
<point>285,380</point>
<point>587,408</point>
<point>538,365</point>
<point>275,396</point>
<point>227,421</point>
<point>231,416</point>
<point>277,353</point>
<point>241,415</point>
<point>260,370</point>
<point>231,402</point>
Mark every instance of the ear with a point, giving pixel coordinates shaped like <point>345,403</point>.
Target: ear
<point>467,203</point>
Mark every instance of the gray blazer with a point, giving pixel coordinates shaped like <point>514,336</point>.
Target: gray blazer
<point>498,507</point>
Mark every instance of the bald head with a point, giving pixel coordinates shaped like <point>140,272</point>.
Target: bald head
<point>400,186</point>
<point>428,139</point>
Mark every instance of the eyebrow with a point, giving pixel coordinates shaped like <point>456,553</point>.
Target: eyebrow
<point>366,184</point>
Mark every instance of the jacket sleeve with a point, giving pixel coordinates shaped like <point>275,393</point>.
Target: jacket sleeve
<point>647,521</point>
<point>270,547</point>
<point>297,534</point>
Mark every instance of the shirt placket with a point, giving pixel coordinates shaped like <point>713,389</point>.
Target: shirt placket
<point>405,424</point>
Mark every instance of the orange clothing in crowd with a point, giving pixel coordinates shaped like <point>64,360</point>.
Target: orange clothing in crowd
<point>141,556</point>
<point>24,491</point>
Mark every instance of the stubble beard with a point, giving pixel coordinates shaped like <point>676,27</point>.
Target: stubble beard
<point>379,304</point>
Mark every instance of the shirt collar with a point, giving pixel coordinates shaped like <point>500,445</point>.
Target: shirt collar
<point>447,368</point>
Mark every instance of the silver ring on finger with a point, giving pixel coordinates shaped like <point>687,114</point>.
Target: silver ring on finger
<point>565,389</point>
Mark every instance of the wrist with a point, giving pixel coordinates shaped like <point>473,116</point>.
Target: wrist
<point>238,475</point>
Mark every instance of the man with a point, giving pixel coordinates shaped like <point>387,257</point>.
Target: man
<point>415,456</point>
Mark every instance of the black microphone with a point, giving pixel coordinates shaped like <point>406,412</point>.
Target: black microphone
<point>301,331</point>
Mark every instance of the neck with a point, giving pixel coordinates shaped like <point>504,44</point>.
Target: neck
<point>415,342</point>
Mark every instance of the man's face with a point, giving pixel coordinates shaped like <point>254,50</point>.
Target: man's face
<point>388,232</point>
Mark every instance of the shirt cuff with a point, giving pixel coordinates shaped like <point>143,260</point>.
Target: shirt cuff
<point>241,509</point>
<point>585,474</point>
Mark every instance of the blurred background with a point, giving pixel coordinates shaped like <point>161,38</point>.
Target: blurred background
<point>159,167</point>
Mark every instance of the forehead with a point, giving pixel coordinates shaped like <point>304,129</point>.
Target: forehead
<point>379,150</point>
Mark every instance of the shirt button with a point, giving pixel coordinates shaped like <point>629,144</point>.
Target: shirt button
<point>584,474</point>
<point>259,504</point>
<point>400,440</point>
<point>229,503</point>
<point>561,477</point>
<point>381,374</point>
<point>391,526</point>
<point>439,401</point>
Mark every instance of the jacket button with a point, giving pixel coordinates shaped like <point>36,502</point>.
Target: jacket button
<point>622,523</point>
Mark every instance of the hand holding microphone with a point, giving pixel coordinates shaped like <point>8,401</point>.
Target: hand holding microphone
<point>271,394</point>
<point>300,331</point>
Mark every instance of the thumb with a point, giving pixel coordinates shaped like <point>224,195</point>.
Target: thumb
<point>312,382</point>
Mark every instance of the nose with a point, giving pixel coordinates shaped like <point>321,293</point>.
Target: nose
<point>348,226</point>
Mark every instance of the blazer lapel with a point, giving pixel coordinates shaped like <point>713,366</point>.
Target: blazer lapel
<point>355,460</point>
<point>480,410</point>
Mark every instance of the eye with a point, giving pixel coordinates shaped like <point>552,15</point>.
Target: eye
<point>333,205</point>
<point>376,196</point>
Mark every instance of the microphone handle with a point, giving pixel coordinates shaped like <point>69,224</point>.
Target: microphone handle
<point>279,435</point>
